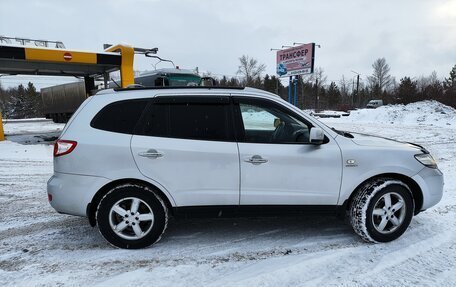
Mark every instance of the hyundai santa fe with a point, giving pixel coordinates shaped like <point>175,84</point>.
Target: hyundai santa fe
<point>129,159</point>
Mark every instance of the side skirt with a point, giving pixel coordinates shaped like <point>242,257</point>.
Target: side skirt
<point>253,210</point>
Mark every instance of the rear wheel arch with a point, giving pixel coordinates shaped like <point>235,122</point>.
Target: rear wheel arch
<point>413,186</point>
<point>92,206</point>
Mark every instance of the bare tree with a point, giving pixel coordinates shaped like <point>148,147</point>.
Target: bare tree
<point>344,85</point>
<point>380,77</point>
<point>250,69</point>
<point>318,77</point>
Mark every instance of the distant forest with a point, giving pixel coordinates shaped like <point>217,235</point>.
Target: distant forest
<point>314,91</point>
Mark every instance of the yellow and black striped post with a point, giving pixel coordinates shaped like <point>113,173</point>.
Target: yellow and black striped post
<point>2,132</point>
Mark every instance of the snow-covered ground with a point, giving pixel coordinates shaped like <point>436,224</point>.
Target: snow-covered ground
<point>30,126</point>
<point>39,247</point>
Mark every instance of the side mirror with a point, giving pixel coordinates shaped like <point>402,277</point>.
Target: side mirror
<point>316,136</point>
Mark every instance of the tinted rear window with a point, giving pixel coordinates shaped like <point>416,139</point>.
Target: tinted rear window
<point>189,120</point>
<point>119,117</point>
<point>198,121</point>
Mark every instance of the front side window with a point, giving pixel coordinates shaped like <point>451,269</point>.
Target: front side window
<point>266,122</point>
<point>192,119</point>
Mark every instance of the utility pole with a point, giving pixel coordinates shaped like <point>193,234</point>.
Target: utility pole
<point>357,88</point>
<point>292,99</point>
<point>353,91</point>
<point>290,89</point>
<point>295,82</point>
<point>316,94</point>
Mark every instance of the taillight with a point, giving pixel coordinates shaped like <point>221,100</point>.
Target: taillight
<point>63,147</point>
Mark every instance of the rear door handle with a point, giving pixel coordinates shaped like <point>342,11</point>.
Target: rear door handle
<point>256,160</point>
<point>151,153</point>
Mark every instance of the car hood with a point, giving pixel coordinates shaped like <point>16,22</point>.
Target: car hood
<point>370,140</point>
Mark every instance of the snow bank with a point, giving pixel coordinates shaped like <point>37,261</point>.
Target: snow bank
<point>420,113</point>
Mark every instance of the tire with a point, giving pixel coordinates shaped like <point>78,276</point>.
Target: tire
<point>144,221</point>
<point>389,220</point>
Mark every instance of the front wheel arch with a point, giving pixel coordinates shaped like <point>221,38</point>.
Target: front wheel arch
<point>417,193</point>
<point>92,206</point>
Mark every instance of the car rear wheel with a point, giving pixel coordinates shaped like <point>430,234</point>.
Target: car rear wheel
<point>381,210</point>
<point>132,216</point>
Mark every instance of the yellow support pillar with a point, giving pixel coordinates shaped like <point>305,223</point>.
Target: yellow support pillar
<point>2,134</point>
<point>126,68</point>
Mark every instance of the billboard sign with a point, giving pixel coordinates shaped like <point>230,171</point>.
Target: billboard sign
<point>295,61</point>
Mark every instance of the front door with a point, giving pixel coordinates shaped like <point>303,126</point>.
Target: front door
<point>278,164</point>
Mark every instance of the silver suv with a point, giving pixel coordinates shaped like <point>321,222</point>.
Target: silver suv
<point>129,159</point>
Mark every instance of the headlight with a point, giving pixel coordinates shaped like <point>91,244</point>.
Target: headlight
<point>426,159</point>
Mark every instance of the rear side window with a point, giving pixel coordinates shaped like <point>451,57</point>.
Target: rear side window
<point>189,119</point>
<point>119,117</point>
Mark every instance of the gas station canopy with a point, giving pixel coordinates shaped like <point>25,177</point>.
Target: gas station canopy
<point>56,62</point>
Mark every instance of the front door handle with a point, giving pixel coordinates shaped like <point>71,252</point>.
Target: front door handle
<point>256,160</point>
<point>151,153</point>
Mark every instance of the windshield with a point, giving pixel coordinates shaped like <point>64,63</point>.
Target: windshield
<point>182,80</point>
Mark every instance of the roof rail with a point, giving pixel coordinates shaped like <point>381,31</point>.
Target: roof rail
<point>179,87</point>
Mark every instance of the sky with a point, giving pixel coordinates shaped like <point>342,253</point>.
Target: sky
<point>415,37</point>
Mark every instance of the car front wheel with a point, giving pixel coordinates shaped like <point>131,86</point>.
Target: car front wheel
<point>131,216</point>
<point>381,210</point>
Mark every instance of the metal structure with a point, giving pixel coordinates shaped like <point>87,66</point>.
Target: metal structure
<point>36,42</point>
<point>15,60</point>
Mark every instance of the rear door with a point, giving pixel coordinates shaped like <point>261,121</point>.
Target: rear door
<point>186,144</point>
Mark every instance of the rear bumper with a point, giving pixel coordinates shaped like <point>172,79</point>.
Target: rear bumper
<point>72,193</point>
<point>431,183</point>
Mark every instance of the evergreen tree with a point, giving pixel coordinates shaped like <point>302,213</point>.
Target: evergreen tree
<point>450,82</point>
<point>21,102</point>
<point>233,82</point>
<point>33,102</point>
<point>257,83</point>
<point>333,95</point>
<point>16,109</point>
<point>270,84</point>
<point>407,91</point>
<point>449,96</point>
<point>223,81</point>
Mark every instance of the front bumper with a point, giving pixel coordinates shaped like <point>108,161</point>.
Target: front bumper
<point>72,193</point>
<point>431,183</point>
